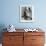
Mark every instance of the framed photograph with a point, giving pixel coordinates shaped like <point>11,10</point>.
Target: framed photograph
<point>26,13</point>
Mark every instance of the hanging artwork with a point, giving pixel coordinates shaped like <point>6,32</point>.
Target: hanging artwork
<point>26,13</point>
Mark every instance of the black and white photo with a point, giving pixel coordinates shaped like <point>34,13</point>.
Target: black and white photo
<point>26,13</point>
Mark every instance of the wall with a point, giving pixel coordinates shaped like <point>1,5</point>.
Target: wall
<point>10,13</point>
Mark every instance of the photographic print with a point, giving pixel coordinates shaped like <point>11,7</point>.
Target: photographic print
<point>26,13</point>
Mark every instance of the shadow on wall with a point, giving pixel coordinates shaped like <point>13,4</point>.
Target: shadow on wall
<point>2,26</point>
